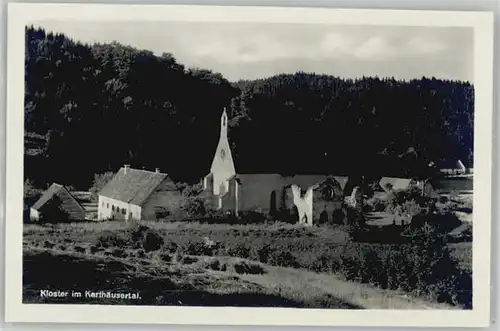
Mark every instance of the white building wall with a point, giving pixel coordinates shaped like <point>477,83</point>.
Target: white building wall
<point>105,209</point>
<point>222,165</point>
<point>34,214</point>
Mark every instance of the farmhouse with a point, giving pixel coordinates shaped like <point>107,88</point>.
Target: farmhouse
<point>267,193</point>
<point>134,194</point>
<point>396,184</point>
<point>57,204</point>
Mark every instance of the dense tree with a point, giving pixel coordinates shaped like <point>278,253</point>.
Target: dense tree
<point>93,108</point>
<point>100,180</point>
<point>365,126</point>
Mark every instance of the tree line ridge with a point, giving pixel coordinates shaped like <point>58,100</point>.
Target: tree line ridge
<point>92,108</point>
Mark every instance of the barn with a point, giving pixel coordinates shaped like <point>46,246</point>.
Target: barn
<point>57,204</point>
<point>267,193</point>
<point>136,194</point>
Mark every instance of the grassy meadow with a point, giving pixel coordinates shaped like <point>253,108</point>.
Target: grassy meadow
<point>273,264</point>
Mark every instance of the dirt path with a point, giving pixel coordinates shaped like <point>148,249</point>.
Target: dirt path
<point>309,283</point>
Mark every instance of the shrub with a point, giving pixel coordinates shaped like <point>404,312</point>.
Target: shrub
<point>410,208</point>
<point>260,252</point>
<point>195,203</point>
<point>79,249</point>
<point>399,197</point>
<point>423,266</point>
<point>30,192</point>
<point>48,244</point>
<point>135,237</point>
<point>189,260</point>
<point>326,262</point>
<point>238,250</point>
<point>118,252</point>
<point>442,223</point>
<point>282,258</point>
<point>140,253</point>
<point>201,248</point>
<point>152,241</point>
<point>178,255</point>
<point>146,238</point>
<point>59,247</point>
<point>113,239</point>
<point>378,205</point>
<point>170,247</point>
<point>242,267</point>
<point>214,265</point>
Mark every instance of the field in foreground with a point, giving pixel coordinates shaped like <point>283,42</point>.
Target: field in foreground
<point>221,265</point>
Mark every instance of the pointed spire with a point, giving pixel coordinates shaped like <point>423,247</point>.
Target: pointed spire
<point>223,123</point>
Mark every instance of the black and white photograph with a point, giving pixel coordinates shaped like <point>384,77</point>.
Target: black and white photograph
<point>251,163</point>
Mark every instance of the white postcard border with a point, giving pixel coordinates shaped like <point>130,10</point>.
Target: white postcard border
<point>21,14</point>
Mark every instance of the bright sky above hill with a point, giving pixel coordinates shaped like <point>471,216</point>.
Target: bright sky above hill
<point>249,51</point>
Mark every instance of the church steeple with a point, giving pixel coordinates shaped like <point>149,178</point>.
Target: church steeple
<point>223,123</point>
<point>222,165</point>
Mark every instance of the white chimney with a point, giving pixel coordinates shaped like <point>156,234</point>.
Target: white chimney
<point>157,170</point>
<point>125,168</point>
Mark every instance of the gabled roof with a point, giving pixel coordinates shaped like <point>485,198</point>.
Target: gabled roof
<point>396,183</point>
<point>49,193</point>
<point>132,186</point>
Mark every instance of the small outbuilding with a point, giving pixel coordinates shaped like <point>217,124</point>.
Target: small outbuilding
<point>57,205</point>
<point>400,184</point>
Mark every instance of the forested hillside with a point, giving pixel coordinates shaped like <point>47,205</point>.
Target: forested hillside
<point>92,108</point>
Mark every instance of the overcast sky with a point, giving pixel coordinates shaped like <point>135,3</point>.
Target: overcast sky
<point>249,51</point>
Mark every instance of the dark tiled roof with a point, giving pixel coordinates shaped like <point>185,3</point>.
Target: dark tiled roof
<point>54,189</point>
<point>132,186</point>
<point>47,195</point>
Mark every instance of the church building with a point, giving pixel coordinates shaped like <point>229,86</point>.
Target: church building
<point>268,193</point>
